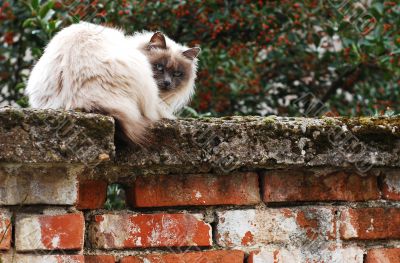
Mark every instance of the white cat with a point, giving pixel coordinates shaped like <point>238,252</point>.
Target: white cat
<point>136,79</point>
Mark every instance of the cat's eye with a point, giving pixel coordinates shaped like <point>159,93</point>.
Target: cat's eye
<point>178,74</point>
<point>159,67</point>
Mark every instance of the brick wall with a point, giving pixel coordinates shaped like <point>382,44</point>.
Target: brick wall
<point>210,190</point>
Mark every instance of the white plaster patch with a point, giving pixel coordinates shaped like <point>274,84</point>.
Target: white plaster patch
<point>133,229</point>
<point>55,241</point>
<point>114,226</point>
<point>349,254</point>
<point>237,228</point>
<point>45,259</point>
<point>38,188</point>
<point>138,242</point>
<point>35,259</point>
<point>169,229</point>
<point>28,234</point>
<point>274,255</point>
<point>233,226</point>
<point>371,226</point>
<point>198,195</point>
<point>349,230</point>
<point>154,238</point>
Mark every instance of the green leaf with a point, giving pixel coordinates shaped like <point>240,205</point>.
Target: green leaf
<point>378,7</point>
<point>45,9</point>
<point>20,86</point>
<point>188,111</point>
<point>58,23</point>
<point>49,15</point>
<point>36,52</point>
<point>29,22</point>
<point>35,4</point>
<point>75,19</point>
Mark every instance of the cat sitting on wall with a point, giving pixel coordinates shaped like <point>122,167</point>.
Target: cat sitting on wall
<point>136,79</point>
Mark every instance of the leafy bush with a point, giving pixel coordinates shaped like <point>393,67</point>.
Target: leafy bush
<point>258,57</point>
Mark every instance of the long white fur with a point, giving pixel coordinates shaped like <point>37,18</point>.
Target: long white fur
<point>91,67</point>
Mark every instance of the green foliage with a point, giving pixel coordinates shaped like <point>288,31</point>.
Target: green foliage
<point>258,57</point>
<point>115,197</point>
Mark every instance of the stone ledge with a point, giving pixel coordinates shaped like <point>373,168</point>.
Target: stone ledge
<point>201,145</point>
<point>52,136</point>
<point>225,144</point>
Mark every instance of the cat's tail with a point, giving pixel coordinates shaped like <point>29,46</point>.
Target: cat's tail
<point>138,134</point>
<point>134,130</point>
<point>129,120</point>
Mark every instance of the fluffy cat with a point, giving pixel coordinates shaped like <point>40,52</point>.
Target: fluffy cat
<point>136,79</point>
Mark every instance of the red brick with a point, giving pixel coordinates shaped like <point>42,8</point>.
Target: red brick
<point>49,232</point>
<point>195,189</point>
<point>232,256</point>
<point>99,259</point>
<point>92,194</point>
<point>370,223</point>
<point>391,186</point>
<point>5,230</point>
<point>274,225</point>
<point>322,255</point>
<point>284,186</point>
<point>119,231</point>
<point>383,255</point>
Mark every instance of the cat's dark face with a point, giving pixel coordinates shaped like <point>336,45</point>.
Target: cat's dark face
<point>170,70</point>
<point>170,73</point>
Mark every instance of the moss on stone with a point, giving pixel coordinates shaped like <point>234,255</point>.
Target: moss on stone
<point>328,121</point>
<point>181,145</point>
<point>32,135</point>
<point>269,120</point>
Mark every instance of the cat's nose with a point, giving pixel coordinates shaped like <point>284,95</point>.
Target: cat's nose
<point>167,83</point>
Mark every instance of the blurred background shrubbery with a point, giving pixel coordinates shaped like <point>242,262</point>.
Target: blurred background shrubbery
<point>258,57</point>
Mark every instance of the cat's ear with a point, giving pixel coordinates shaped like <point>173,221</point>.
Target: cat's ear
<point>192,53</point>
<point>158,41</point>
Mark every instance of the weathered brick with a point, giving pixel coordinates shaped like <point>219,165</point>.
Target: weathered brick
<point>195,189</point>
<point>391,186</point>
<point>251,227</point>
<point>99,259</point>
<point>330,254</point>
<point>49,232</point>
<point>370,223</point>
<point>232,256</point>
<point>37,185</point>
<point>21,258</point>
<point>5,230</point>
<point>283,186</point>
<point>383,255</point>
<point>92,194</point>
<point>119,231</point>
